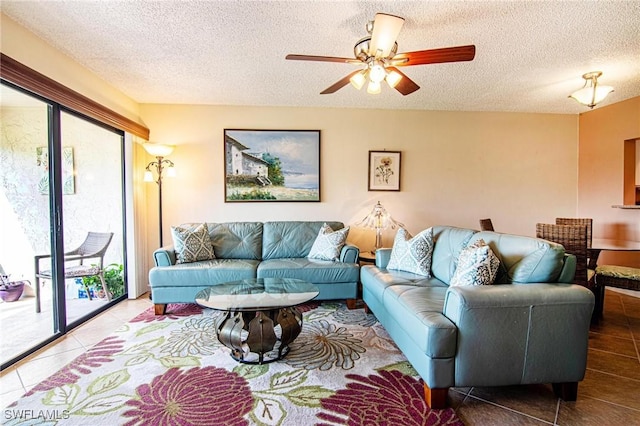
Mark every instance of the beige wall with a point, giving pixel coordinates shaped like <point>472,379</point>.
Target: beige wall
<point>602,135</point>
<point>457,167</point>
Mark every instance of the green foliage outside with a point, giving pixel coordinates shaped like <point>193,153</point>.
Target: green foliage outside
<point>113,278</point>
<point>254,194</point>
<point>274,169</point>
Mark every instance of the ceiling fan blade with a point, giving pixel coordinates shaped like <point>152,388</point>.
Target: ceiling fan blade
<point>405,86</point>
<point>339,84</point>
<point>435,56</point>
<point>321,59</point>
<point>385,33</point>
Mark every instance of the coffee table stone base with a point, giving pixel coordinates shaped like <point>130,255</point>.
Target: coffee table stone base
<point>260,337</point>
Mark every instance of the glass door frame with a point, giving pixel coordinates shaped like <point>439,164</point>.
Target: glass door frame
<point>60,326</point>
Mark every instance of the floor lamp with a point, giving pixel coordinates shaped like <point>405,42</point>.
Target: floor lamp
<point>159,151</point>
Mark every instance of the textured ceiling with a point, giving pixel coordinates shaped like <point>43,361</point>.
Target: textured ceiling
<point>530,54</point>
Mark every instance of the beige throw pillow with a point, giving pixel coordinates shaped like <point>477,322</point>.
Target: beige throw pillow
<point>192,243</point>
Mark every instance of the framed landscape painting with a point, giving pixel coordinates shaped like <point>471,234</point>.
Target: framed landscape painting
<point>384,170</point>
<point>271,165</point>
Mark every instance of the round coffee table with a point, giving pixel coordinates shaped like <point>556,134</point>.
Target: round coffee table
<point>261,316</point>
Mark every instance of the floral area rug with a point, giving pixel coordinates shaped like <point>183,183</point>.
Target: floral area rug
<point>343,369</point>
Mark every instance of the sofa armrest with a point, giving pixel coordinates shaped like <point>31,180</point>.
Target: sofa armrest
<point>349,253</point>
<point>520,333</point>
<point>568,269</point>
<point>165,256</point>
<point>382,257</point>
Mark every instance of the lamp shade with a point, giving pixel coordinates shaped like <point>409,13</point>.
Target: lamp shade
<point>385,32</point>
<point>377,72</point>
<point>379,218</point>
<point>590,96</point>
<point>373,88</point>
<point>591,93</point>
<point>157,149</point>
<point>393,78</point>
<point>359,79</point>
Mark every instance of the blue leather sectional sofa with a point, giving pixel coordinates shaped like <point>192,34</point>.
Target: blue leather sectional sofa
<point>255,250</point>
<point>531,326</point>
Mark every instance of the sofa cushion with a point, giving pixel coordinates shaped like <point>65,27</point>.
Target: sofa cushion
<point>449,241</point>
<point>204,273</point>
<point>236,240</point>
<point>524,259</point>
<point>328,243</point>
<point>192,242</point>
<point>378,280</point>
<point>477,265</point>
<point>412,254</point>
<point>311,270</point>
<point>287,239</point>
<point>418,311</point>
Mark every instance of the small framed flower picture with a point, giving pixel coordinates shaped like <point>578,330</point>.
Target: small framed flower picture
<point>384,170</point>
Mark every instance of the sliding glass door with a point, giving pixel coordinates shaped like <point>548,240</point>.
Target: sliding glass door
<point>25,228</point>
<point>92,208</point>
<point>61,203</point>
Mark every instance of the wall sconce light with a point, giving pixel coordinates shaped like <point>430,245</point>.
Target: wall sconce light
<point>379,219</point>
<point>591,93</point>
<point>159,151</point>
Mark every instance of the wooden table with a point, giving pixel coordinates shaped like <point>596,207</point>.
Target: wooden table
<point>367,257</point>
<point>600,244</point>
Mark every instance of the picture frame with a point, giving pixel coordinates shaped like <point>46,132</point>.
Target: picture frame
<point>384,170</point>
<point>271,165</point>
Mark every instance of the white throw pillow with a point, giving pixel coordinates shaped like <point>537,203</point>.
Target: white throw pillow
<point>328,243</point>
<point>412,254</point>
<point>477,265</point>
<point>192,243</point>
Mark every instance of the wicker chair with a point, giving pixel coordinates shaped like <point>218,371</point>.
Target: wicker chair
<point>574,240</point>
<point>486,225</point>
<point>588,222</point>
<point>618,276</point>
<point>94,247</point>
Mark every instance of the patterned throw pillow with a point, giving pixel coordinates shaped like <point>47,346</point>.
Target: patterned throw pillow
<point>192,243</point>
<point>412,254</point>
<point>328,243</point>
<point>477,265</point>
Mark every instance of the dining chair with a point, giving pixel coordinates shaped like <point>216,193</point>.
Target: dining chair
<point>94,247</point>
<point>588,222</point>
<point>486,225</point>
<point>574,240</point>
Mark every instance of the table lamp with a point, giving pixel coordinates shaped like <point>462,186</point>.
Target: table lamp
<point>379,219</point>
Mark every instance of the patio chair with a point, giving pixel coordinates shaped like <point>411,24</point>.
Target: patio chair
<point>94,247</point>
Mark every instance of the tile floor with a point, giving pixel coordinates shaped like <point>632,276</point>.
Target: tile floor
<point>609,394</point>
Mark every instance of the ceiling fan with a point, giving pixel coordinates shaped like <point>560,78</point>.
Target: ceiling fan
<point>378,53</point>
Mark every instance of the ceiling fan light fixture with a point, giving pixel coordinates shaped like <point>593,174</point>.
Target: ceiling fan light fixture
<point>393,78</point>
<point>591,93</point>
<point>358,80</point>
<point>377,73</point>
<point>374,88</point>
<point>385,33</point>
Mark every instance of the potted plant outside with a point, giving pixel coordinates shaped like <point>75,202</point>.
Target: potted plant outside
<point>113,278</point>
<point>10,291</point>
